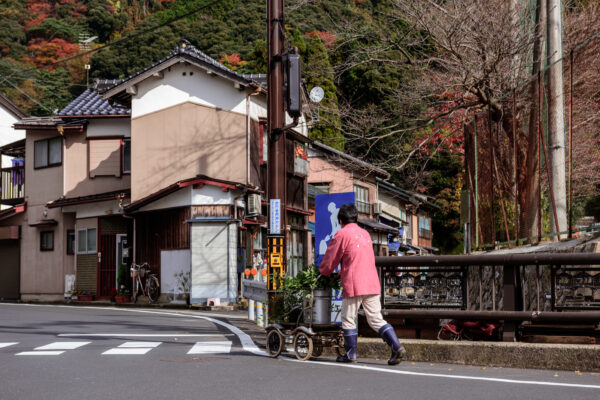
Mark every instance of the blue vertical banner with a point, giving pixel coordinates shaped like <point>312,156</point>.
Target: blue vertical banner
<point>327,207</point>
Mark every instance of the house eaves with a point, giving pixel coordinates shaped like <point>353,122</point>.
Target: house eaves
<point>51,123</point>
<point>415,198</point>
<point>12,107</point>
<point>184,52</point>
<point>71,201</point>
<point>358,163</point>
<point>11,212</point>
<point>197,182</point>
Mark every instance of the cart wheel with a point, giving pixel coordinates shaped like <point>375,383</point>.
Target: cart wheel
<point>303,346</point>
<point>339,348</point>
<point>274,343</point>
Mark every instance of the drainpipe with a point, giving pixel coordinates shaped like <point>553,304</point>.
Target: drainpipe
<point>256,92</point>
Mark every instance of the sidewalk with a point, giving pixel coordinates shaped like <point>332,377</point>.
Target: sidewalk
<point>566,357</point>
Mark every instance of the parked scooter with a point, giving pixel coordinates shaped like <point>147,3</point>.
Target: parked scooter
<point>470,330</point>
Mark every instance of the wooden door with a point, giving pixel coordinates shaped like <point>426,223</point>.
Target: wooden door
<point>107,268</point>
<point>9,270</point>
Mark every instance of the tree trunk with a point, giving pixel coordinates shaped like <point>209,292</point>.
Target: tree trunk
<point>556,118</point>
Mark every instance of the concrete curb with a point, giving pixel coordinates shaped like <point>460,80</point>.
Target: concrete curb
<point>566,357</point>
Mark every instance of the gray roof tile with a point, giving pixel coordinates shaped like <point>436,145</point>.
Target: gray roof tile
<point>89,103</point>
<point>185,49</point>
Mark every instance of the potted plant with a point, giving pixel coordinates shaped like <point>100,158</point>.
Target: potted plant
<point>306,296</point>
<point>85,296</point>
<point>124,295</point>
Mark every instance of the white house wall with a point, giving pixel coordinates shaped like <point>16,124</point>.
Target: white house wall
<point>99,127</point>
<point>174,88</point>
<point>390,207</point>
<point>180,198</point>
<point>210,268</point>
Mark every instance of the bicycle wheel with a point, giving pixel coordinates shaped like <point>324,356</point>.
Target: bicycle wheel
<point>274,343</point>
<point>153,290</point>
<point>303,346</point>
<point>446,334</point>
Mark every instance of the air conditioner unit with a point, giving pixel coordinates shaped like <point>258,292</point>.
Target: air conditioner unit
<point>376,208</point>
<point>254,206</point>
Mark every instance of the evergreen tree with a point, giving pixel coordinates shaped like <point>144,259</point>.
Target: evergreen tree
<point>318,72</point>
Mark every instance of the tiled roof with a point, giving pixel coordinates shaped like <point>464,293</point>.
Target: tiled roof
<point>11,107</point>
<point>90,104</point>
<point>186,50</point>
<point>48,122</point>
<point>350,158</point>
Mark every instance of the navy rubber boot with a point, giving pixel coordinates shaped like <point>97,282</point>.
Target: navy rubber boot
<point>388,335</point>
<point>350,344</point>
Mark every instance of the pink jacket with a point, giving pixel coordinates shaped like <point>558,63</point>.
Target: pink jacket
<point>352,246</point>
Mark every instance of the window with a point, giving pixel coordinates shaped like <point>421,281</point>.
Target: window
<point>47,152</point>
<point>47,240</point>
<point>264,142</point>
<point>70,241</point>
<point>361,195</point>
<point>86,241</point>
<point>127,156</point>
<point>424,227</point>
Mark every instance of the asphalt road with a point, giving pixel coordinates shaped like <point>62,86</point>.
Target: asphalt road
<point>65,352</point>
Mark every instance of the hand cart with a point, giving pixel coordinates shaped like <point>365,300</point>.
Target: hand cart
<point>308,339</point>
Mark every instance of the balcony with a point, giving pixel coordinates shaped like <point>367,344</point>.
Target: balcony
<point>12,185</point>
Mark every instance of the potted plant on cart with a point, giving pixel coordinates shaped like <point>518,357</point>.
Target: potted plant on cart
<point>304,303</point>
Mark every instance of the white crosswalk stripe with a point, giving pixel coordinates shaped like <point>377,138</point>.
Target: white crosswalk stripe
<point>210,348</point>
<point>133,348</point>
<point>125,348</point>
<point>62,346</point>
<point>53,349</point>
<point>41,353</point>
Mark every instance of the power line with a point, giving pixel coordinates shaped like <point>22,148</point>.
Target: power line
<point>129,37</point>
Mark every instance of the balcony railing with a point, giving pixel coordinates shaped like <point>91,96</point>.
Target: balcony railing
<point>12,185</point>
<point>424,233</point>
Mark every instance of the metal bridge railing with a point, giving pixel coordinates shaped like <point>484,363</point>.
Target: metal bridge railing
<point>512,288</point>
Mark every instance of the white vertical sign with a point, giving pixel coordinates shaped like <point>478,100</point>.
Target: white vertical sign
<point>275,217</point>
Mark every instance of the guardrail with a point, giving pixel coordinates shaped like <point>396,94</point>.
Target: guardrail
<point>509,287</point>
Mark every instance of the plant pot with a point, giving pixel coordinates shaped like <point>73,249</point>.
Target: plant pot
<point>123,299</point>
<point>85,297</point>
<point>321,310</point>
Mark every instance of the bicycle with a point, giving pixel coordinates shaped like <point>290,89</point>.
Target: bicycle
<point>149,286</point>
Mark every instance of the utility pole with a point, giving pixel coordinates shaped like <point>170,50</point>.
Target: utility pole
<point>275,124</point>
<point>556,117</point>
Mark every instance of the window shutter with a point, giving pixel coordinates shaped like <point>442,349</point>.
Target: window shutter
<point>105,157</point>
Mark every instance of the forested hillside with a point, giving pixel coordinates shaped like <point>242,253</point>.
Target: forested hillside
<point>400,78</point>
